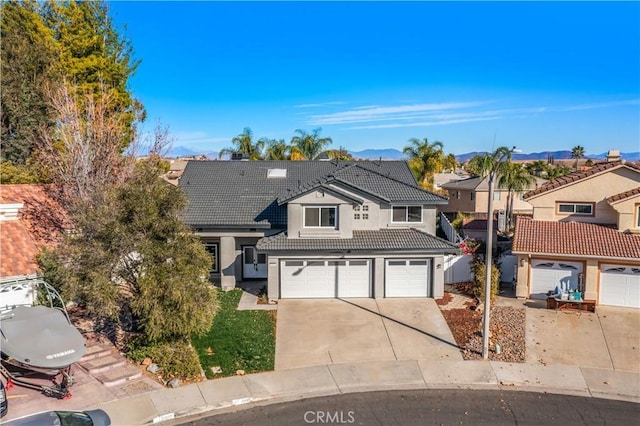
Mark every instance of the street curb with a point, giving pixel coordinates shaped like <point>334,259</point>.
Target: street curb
<point>230,394</point>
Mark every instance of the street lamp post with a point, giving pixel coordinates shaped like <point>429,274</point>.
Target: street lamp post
<point>499,156</point>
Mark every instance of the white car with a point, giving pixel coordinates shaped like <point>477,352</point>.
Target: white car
<point>63,418</point>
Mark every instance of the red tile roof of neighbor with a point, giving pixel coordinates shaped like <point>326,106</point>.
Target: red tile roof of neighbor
<point>17,249</point>
<point>579,175</point>
<point>623,195</point>
<point>40,223</point>
<point>574,238</point>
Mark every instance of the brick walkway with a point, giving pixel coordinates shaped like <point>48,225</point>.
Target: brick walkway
<point>458,300</point>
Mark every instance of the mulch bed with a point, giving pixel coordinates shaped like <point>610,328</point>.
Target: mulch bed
<point>507,327</point>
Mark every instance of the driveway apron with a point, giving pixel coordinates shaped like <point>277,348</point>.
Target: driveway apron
<point>332,331</point>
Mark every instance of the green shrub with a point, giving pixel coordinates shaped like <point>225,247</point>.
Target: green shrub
<point>479,275</point>
<point>175,359</point>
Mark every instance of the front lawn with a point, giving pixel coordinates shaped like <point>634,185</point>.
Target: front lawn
<point>238,340</point>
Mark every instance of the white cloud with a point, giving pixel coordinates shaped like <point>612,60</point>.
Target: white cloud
<point>426,123</point>
<point>436,114</point>
<point>318,105</point>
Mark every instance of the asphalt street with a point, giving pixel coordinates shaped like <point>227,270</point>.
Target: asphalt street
<point>435,407</point>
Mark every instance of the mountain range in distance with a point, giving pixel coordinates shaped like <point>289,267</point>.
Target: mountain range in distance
<point>394,154</point>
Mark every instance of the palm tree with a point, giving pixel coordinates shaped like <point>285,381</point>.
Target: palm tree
<point>425,159</point>
<point>339,154</point>
<point>537,167</point>
<point>515,178</point>
<point>243,144</point>
<point>277,149</point>
<point>310,145</point>
<point>450,163</point>
<point>558,171</point>
<point>478,164</point>
<point>577,152</point>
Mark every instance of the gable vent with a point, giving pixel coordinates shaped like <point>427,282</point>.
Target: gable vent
<point>277,173</point>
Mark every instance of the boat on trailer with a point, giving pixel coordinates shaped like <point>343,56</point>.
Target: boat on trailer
<point>37,338</point>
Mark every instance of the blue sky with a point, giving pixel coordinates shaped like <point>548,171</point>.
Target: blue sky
<point>540,75</point>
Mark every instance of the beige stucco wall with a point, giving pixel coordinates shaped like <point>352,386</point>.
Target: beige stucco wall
<point>480,203</point>
<point>627,211</point>
<point>595,189</point>
<point>377,272</point>
<point>463,204</point>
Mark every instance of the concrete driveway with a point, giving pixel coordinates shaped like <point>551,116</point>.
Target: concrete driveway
<point>333,331</point>
<point>608,338</point>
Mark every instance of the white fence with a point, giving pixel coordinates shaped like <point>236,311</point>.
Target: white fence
<point>457,269</point>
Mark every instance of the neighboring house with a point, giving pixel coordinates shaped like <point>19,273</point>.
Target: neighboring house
<point>585,234</point>
<point>440,179</point>
<point>471,196</point>
<point>29,220</point>
<point>317,229</point>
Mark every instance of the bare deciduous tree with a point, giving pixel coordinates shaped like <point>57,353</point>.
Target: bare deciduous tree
<point>83,154</point>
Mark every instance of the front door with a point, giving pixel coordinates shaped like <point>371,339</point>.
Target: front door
<point>254,264</point>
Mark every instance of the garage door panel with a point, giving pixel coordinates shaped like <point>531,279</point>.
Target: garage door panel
<point>550,275</point>
<point>407,278</point>
<point>619,285</point>
<point>325,279</point>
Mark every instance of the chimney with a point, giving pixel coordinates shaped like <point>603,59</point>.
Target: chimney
<point>613,155</point>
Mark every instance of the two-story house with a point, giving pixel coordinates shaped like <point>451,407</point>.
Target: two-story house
<point>585,235</point>
<point>318,229</point>
<point>471,196</point>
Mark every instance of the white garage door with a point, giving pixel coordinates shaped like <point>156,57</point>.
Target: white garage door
<point>325,278</point>
<point>407,277</point>
<point>620,285</point>
<point>550,275</point>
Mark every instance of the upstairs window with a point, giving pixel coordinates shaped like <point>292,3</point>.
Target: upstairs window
<point>407,214</point>
<point>320,217</point>
<point>585,209</point>
<point>637,215</point>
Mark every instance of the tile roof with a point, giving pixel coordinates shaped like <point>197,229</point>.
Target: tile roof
<point>482,184</point>
<point>579,175</point>
<point>574,238</point>
<point>369,241</point>
<point>238,193</point>
<point>40,223</point>
<point>623,195</point>
<point>383,187</point>
<point>18,249</point>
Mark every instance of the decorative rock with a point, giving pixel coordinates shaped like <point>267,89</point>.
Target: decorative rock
<point>240,373</point>
<point>153,368</point>
<point>216,370</point>
<point>174,383</point>
<point>146,361</point>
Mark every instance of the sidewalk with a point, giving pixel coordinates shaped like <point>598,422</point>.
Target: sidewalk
<point>287,385</point>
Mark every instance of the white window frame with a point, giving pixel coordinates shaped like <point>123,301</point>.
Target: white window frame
<point>568,203</point>
<point>215,255</point>
<point>319,226</point>
<point>637,222</point>
<point>406,216</point>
